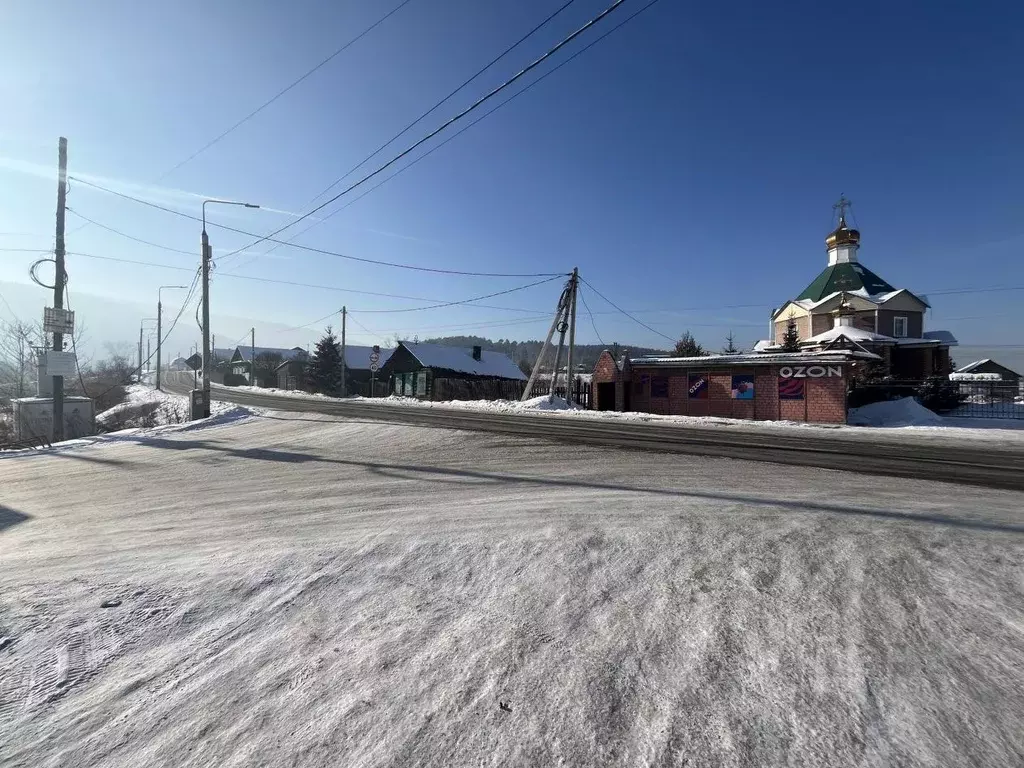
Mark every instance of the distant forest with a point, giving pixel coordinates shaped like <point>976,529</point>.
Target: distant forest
<point>525,352</point>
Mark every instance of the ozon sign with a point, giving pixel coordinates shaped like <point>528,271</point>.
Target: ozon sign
<point>810,371</point>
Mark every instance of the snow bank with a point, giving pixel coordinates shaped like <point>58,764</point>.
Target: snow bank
<point>147,407</point>
<point>905,412</point>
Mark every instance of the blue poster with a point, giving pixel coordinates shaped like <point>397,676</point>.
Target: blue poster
<point>698,388</point>
<point>743,387</point>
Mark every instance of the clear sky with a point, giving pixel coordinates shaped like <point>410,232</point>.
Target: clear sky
<point>687,164</point>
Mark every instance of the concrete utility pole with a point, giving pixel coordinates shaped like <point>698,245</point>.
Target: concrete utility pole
<point>252,357</point>
<point>556,324</point>
<point>571,374</point>
<point>58,284</point>
<point>149,354</point>
<point>140,352</point>
<point>344,318</point>
<point>159,326</point>
<point>201,403</point>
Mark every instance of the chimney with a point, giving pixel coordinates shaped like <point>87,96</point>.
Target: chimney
<point>477,352</point>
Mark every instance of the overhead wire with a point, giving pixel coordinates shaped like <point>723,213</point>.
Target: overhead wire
<point>130,237</point>
<point>591,315</point>
<point>322,251</point>
<point>476,104</point>
<point>627,314</point>
<point>485,115</point>
<point>285,90</point>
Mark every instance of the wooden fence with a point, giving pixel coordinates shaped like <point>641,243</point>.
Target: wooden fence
<point>503,389</point>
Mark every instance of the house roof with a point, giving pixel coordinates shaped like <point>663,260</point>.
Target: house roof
<point>978,363</point>
<point>494,364</point>
<point>830,356</point>
<point>286,354</point>
<point>846,276</point>
<point>942,336</point>
<point>850,332</point>
<point>223,353</point>
<point>358,358</point>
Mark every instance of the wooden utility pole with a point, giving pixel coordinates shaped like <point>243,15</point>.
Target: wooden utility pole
<point>252,357</point>
<point>58,285</point>
<point>140,352</point>
<point>344,385</point>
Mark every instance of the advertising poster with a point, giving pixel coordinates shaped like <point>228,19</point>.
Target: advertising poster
<point>697,386</point>
<point>791,389</point>
<point>743,386</point>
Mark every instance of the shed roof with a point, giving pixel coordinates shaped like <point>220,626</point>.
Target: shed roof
<point>970,367</point>
<point>493,364</point>
<point>358,358</point>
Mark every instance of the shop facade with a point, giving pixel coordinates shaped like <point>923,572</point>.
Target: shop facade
<point>808,387</point>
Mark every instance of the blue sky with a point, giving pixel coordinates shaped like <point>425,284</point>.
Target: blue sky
<point>687,164</point>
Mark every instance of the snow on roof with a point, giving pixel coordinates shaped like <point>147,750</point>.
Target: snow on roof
<point>495,364</point>
<point>358,358</point>
<point>765,344</point>
<point>828,356</point>
<point>850,332</point>
<point>962,376</point>
<point>944,336</point>
<point>971,366</point>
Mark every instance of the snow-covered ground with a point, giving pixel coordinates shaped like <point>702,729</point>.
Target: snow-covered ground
<point>297,590</point>
<point>149,407</point>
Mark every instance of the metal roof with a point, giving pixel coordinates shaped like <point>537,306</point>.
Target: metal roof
<point>831,356</point>
<point>847,276</point>
<point>493,364</point>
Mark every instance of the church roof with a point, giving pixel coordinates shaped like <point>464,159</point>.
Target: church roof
<point>845,276</point>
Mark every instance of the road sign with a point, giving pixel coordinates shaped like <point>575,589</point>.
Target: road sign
<point>374,367</point>
<point>195,362</point>
<point>60,363</point>
<point>374,357</point>
<point>58,320</point>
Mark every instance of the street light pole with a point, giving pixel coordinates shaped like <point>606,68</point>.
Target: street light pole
<point>202,406</point>
<point>159,325</point>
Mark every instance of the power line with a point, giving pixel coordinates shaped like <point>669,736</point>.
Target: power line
<point>131,237</point>
<point>374,334</point>
<point>473,77</point>
<point>536,62</point>
<point>455,135</point>
<point>464,301</point>
<point>620,309</point>
<point>285,90</point>
<point>591,314</point>
<point>321,251</point>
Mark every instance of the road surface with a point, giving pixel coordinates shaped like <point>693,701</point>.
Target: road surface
<point>981,463</point>
<point>297,589</point>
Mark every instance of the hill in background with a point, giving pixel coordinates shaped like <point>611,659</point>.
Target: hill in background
<point>525,352</point>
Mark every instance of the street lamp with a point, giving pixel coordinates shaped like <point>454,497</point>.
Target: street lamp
<point>201,402</point>
<point>159,327</point>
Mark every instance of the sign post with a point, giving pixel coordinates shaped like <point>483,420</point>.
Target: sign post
<point>374,367</point>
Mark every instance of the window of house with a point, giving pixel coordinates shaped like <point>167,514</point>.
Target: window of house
<point>899,327</point>
<point>659,386</point>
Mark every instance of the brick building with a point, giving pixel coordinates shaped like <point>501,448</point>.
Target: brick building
<point>797,386</point>
<point>847,306</point>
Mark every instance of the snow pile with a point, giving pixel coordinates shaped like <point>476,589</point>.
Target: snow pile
<point>147,407</point>
<point>905,412</point>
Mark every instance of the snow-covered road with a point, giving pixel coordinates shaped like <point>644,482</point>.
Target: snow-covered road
<point>297,590</point>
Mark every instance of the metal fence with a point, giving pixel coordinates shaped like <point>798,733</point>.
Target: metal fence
<point>979,399</point>
<point>990,400</point>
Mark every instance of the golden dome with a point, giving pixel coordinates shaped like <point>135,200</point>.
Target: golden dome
<point>842,235</point>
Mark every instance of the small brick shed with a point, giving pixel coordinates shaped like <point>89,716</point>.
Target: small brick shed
<point>798,386</point>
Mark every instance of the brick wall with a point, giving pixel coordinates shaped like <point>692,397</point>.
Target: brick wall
<point>824,398</point>
<point>604,371</point>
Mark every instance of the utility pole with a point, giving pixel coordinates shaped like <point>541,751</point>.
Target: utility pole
<point>207,352</point>
<point>159,330</point>
<point>344,386</point>
<point>149,354</point>
<point>140,352</point>
<point>58,284</point>
<point>252,357</point>
<point>557,323</point>
<point>570,380</point>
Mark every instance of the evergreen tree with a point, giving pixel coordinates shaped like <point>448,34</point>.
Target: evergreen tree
<point>323,372</point>
<point>687,346</point>
<point>791,339</point>
<point>730,346</point>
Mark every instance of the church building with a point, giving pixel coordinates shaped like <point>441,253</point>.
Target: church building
<point>847,306</point>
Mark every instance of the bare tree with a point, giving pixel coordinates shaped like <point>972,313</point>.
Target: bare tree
<point>17,357</point>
